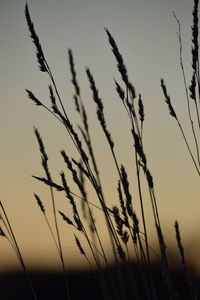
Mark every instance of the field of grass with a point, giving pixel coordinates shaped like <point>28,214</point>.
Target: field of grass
<point>116,276</point>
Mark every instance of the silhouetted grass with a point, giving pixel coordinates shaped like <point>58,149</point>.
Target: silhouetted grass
<point>127,232</point>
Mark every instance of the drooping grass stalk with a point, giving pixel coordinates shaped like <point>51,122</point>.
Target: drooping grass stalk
<point>17,251</point>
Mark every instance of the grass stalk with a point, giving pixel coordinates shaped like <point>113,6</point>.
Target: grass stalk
<point>18,252</point>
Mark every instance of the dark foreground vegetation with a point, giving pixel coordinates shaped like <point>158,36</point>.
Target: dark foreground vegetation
<point>127,228</point>
<point>85,285</point>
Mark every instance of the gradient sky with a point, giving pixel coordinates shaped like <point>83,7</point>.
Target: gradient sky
<point>145,31</point>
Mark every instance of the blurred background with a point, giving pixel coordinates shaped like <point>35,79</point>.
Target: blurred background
<point>146,34</point>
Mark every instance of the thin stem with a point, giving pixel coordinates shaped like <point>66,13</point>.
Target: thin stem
<point>188,147</point>
<point>142,208</point>
<point>186,90</point>
<point>19,253</point>
<point>59,245</point>
<point>51,231</point>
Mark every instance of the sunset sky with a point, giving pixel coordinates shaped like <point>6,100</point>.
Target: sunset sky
<point>146,34</point>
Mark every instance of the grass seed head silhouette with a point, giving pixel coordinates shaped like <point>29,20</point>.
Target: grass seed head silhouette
<point>125,223</point>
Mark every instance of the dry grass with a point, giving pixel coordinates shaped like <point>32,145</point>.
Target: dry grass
<point>127,232</point>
